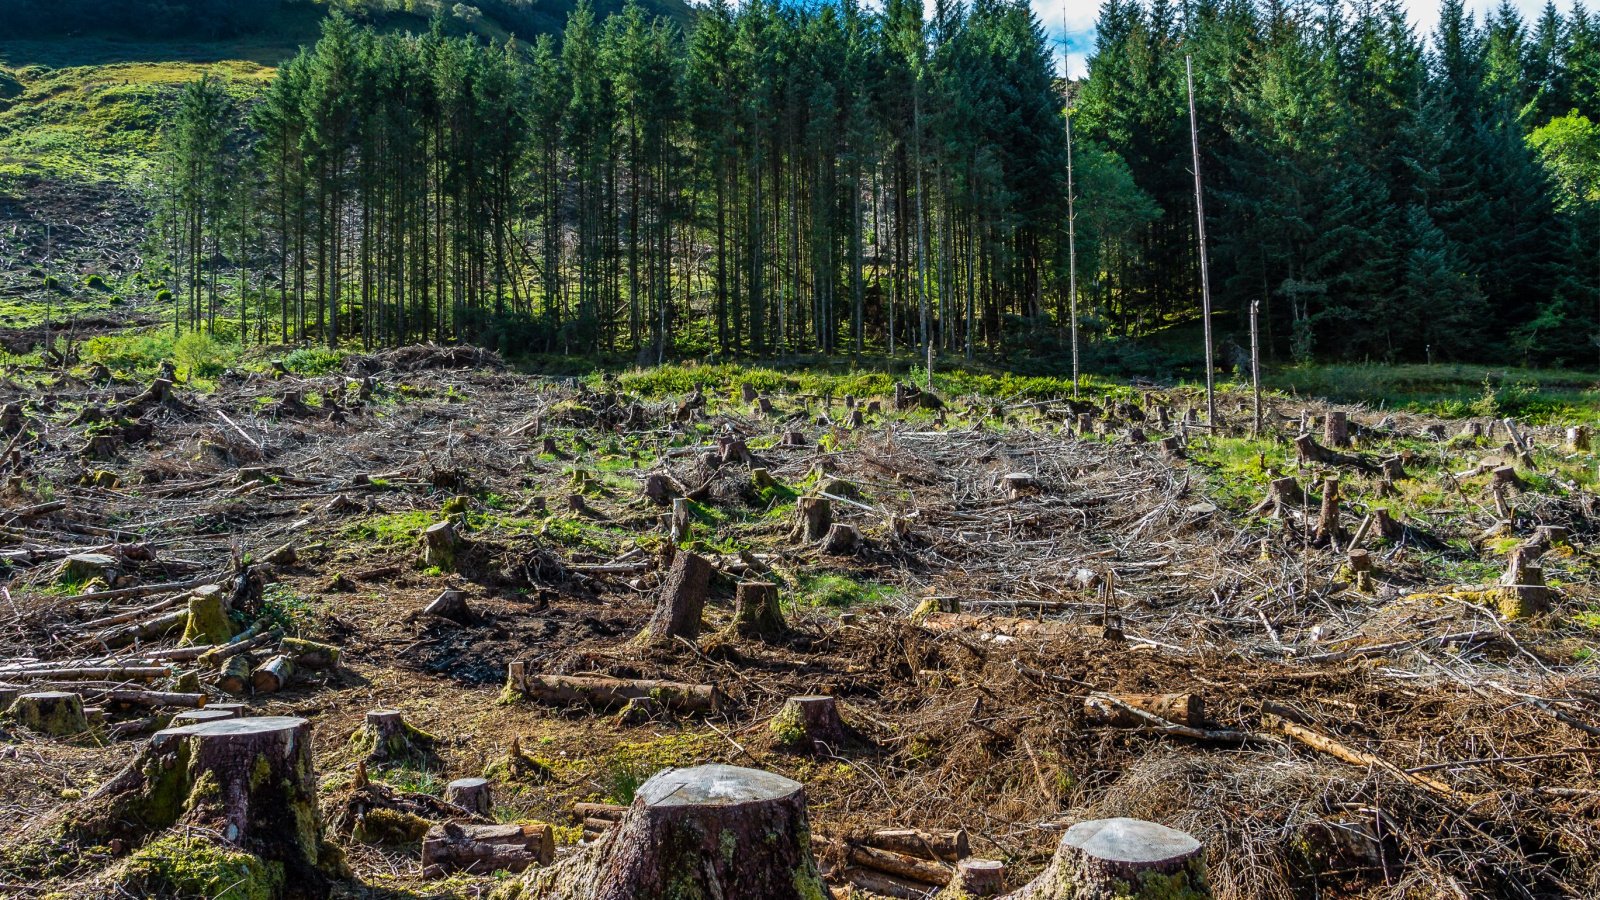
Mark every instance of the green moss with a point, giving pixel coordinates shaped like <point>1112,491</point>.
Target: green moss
<point>788,727</point>
<point>387,826</point>
<point>187,866</point>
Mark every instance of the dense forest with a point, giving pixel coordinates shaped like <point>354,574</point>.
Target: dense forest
<point>785,178</point>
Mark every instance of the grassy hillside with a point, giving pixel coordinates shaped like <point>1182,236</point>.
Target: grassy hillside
<point>90,107</point>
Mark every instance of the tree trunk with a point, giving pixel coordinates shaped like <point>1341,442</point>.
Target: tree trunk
<point>756,613</point>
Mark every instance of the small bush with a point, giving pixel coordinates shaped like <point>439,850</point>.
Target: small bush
<point>202,355</point>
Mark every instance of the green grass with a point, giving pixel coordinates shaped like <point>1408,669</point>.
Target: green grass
<point>839,592</point>
<point>1537,396</point>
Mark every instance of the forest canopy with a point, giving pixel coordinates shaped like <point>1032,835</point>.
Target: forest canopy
<point>786,178</point>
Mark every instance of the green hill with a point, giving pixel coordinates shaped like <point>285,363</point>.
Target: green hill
<point>87,105</point>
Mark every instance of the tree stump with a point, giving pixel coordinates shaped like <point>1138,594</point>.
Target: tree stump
<point>440,543</point>
<point>678,525</point>
<point>472,795</point>
<point>56,713</point>
<point>82,568</point>
<point>1578,438</point>
<point>1393,468</point>
<point>208,617</point>
<point>387,738</point>
<point>842,539</point>
<point>451,604</point>
<point>978,878</point>
<point>809,724</point>
<point>1328,528</point>
<point>1126,859</point>
<point>247,783</point>
<point>199,716</point>
<point>794,439</point>
<point>709,831</point>
<point>682,601</point>
<point>756,612</point>
<point>1019,484</point>
<point>1336,429</point>
<point>747,392</point>
<point>815,518</point>
<point>1283,494</point>
<point>1507,476</point>
<point>660,488</point>
<point>1170,447</point>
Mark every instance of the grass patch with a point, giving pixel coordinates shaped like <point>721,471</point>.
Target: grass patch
<point>840,592</point>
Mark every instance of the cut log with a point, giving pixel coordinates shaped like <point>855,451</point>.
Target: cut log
<point>756,613</point>
<point>611,693</point>
<point>1128,859</point>
<point>388,739</point>
<point>678,524</point>
<point>234,678</point>
<point>682,601</point>
<point>1181,709</point>
<point>709,831</point>
<point>899,865</point>
<point>815,517</point>
<point>310,654</point>
<point>154,699</point>
<point>273,675</point>
<point>809,724</point>
<point>472,795</point>
<point>86,673</point>
<point>483,849</point>
<point>946,846</point>
<point>56,713</point>
<point>609,812</point>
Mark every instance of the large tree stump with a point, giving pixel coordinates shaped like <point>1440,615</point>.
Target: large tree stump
<point>1283,494</point>
<point>756,613</point>
<point>682,600</point>
<point>709,831</point>
<point>388,739</point>
<point>56,713</point>
<point>809,724</point>
<point>1122,859</point>
<point>250,781</point>
<point>472,795</point>
<point>842,539</point>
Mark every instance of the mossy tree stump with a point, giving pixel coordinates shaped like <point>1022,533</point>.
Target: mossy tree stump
<point>388,739</point>
<point>1126,859</point>
<point>208,617</point>
<point>439,545</point>
<point>56,713</point>
<point>756,613</point>
<point>709,831</point>
<point>682,601</point>
<point>251,781</point>
<point>809,724</point>
<point>815,518</point>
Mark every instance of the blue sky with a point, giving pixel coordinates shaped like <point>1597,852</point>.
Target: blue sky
<point>1079,16</point>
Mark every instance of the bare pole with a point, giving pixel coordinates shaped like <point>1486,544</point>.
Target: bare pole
<point>1072,215</point>
<point>1205,272</point>
<point>1255,360</point>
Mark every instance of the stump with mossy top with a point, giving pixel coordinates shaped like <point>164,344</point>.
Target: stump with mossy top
<point>56,713</point>
<point>388,739</point>
<point>208,618</point>
<point>809,724</point>
<point>708,831</point>
<point>248,781</point>
<point>1122,859</point>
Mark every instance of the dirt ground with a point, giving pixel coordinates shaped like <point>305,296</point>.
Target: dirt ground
<point>962,639</point>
